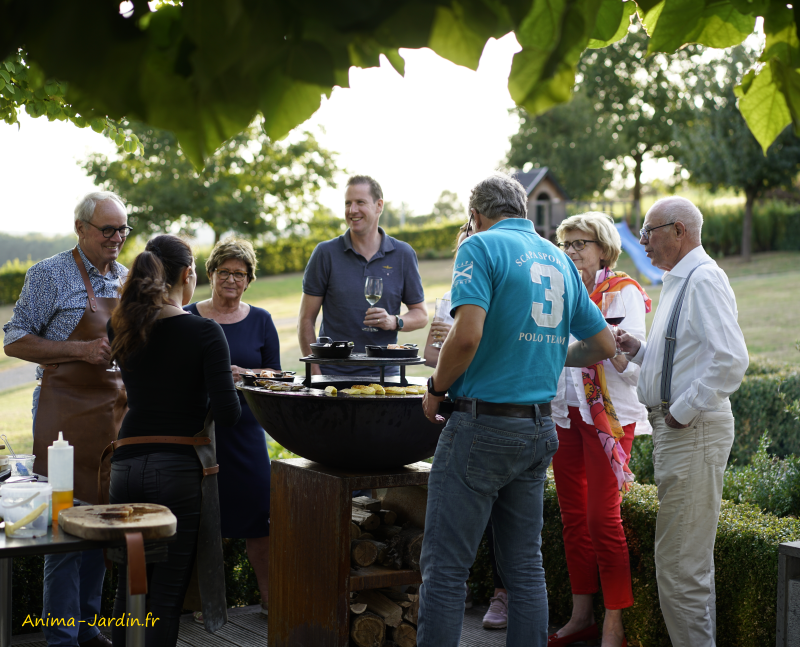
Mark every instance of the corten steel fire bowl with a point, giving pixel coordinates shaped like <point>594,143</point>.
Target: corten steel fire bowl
<point>356,432</point>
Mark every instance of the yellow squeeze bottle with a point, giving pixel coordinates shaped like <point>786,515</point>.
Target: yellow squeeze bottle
<point>60,461</point>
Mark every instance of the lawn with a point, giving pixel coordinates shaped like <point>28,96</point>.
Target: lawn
<point>766,291</point>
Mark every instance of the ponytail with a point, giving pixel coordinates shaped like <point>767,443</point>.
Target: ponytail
<point>153,274</point>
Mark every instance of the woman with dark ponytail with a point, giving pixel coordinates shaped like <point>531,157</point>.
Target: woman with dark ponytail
<point>174,366</point>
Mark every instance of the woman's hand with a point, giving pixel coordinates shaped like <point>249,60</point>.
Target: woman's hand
<point>238,372</point>
<point>620,362</point>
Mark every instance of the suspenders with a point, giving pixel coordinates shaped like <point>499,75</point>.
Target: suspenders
<point>669,342</point>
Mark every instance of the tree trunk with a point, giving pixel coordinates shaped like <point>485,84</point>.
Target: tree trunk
<point>747,226</point>
<point>636,207</point>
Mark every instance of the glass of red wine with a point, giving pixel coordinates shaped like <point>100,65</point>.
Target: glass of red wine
<point>613,308</point>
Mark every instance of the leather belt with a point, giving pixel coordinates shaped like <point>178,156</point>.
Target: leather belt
<point>146,440</point>
<point>498,409</point>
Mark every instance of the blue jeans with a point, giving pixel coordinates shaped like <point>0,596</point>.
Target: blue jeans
<point>488,466</point>
<point>73,585</point>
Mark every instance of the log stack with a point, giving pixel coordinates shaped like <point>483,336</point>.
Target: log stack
<point>383,617</point>
<point>382,614</point>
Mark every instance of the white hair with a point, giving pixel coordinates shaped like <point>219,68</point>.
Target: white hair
<point>85,209</point>
<point>679,209</point>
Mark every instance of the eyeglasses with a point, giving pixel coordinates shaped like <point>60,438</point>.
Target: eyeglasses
<point>644,232</point>
<point>237,276</point>
<point>577,245</point>
<point>109,231</point>
<point>469,226</point>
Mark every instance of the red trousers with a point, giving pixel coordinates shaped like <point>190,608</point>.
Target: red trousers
<point>589,499</point>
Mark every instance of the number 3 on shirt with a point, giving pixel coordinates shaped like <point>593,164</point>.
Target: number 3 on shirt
<point>554,294</point>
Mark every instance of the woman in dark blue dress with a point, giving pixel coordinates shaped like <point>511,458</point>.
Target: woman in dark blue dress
<point>242,450</point>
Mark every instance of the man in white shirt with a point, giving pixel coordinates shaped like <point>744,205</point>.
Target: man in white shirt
<point>690,413</point>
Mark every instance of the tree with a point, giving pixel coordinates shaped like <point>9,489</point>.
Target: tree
<point>719,151</point>
<point>203,69</point>
<point>571,141</point>
<point>251,185</point>
<point>639,100</point>
<point>447,207</point>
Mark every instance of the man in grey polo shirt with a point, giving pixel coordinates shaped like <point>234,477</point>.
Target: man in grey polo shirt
<point>335,276</point>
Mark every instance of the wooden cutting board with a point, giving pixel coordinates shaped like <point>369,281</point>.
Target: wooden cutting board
<point>109,522</point>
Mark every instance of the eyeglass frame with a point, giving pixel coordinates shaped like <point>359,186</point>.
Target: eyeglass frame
<point>644,232</point>
<point>117,230</point>
<point>565,246</point>
<point>231,274</point>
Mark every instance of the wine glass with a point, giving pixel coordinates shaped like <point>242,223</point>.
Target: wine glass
<point>373,290</point>
<point>613,308</point>
<point>441,313</point>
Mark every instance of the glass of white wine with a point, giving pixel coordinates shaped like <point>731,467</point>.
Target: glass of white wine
<point>373,290</point>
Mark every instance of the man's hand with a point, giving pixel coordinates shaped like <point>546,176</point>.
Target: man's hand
<point>672,423</point>
<point>430,407</point>
<point>237,372</point>
<point>627,342</point>
<point>379,318</point>
<point>441,329</point>
<point>97,351</point>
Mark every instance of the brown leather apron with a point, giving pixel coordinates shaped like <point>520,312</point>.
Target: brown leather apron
<point>85,401</point>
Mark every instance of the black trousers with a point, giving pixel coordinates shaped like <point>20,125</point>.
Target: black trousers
<point>172,480</point>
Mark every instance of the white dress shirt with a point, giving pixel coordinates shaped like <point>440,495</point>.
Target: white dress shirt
<point>621,386</point>
<point>710,353</point>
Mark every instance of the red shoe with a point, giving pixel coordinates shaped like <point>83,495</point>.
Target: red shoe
<point>590,633</point>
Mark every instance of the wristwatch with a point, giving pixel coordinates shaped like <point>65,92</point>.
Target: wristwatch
<point>399,322</point>
<point>433,391</point>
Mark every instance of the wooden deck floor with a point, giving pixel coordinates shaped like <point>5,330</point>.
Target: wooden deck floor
<point>248,628</point>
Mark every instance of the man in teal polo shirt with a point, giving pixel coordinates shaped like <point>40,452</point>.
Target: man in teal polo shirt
<point>516,298</point>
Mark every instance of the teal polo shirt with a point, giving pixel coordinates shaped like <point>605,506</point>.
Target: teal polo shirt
<point>534,299</point>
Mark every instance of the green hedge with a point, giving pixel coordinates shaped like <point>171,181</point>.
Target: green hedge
<point>746,559</point>
<point>12,278</point>
<point>757,407</point>
<point>776,227</point>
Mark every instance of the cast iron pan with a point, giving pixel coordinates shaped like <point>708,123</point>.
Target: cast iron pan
<point>282,376</point>
<point>336,350</point>
<point>382,351</point>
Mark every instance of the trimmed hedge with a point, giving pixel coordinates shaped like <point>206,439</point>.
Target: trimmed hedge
<point>776,227</point>
<point>746,560</point>
<point>12,278</point>
<point>758,407</point>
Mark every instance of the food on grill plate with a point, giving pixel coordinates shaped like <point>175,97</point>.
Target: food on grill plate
<point>379,390</point>
<point>330,390</point>
<point>395,390</point>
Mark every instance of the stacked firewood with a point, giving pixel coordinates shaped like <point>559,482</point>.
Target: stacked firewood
<point>383,617</point>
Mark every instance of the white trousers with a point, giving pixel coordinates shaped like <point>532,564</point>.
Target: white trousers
<point>689,465</point>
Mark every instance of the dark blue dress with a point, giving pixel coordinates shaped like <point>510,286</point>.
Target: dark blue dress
<point>242,450</point>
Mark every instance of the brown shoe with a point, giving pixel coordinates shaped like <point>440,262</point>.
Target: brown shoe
<point>100,640</point>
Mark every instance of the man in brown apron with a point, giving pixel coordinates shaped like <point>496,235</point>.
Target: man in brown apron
<point>59,322</point>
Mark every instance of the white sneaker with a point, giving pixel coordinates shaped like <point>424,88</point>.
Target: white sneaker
<point>497,615</point>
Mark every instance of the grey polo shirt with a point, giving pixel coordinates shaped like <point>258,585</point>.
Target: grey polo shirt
<point>337,273</point>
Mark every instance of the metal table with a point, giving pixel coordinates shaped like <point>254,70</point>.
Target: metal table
<point>361,359</point>
<point>58,541</point>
